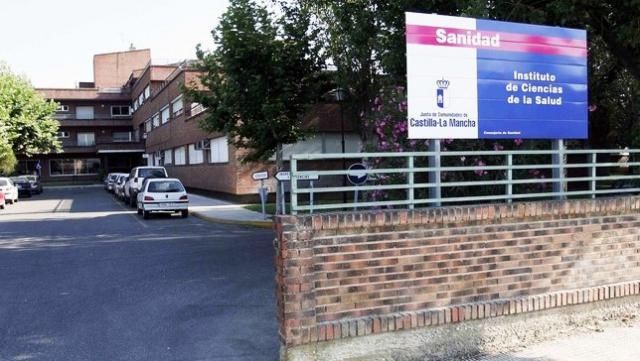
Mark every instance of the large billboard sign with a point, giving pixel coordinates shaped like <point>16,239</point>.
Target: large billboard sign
<point>482,79</point>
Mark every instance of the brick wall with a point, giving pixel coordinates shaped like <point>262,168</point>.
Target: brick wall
<point>353,274</point>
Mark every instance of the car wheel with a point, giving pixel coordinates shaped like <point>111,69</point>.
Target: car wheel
<point>132,200</point>
<point>1,206</point>
<point>139,211</point>
<point>146,214</point>
<point>185,213</point>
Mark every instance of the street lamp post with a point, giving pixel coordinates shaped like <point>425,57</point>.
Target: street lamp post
<point>341,96</point>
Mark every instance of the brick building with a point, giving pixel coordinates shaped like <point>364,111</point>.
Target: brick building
<point>134,113</point>
<point>95,124</point>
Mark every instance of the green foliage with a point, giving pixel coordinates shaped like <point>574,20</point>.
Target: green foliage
<point>261,78</point>
<point>27,126</point>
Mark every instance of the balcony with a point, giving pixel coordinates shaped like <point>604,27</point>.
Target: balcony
<point>124,142</point>
<point>70,120</point>
<point>120,147</point>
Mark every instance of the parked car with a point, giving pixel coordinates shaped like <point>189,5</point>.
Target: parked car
<point>109,181</point>
<point>3,202</point>
<point>36,185</point>
<point>119,186</point>
<point>162,195</point>
<point>23,185</point>
<point>9,189</point>
<point>136,177</point>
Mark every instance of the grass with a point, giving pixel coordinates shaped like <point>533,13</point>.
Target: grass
<point>270,208</point>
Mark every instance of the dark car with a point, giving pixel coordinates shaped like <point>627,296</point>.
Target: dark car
<point>24,186</point>
<point>36,185</point>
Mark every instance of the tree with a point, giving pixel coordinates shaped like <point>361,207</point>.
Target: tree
<point>261,78</point>
<point>27,126</point>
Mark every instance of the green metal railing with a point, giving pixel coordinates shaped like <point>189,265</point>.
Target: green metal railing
<point>433,178</point>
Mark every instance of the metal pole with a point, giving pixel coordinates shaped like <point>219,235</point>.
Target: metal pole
<point>284,201</point>
<point>411,182</point>
<point>559,187</point>
<point>434,175</point>
<point>510,177</point>
<point>294,185</point>
<point>311,198</point>
<point>593,173</point>
<point>344,165</point>
<point>262,198</point>
<point>355,199</point>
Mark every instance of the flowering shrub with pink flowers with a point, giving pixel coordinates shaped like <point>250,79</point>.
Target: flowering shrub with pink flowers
<point>386,129</point>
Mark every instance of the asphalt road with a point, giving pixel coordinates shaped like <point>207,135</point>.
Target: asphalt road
<point>84,278</point>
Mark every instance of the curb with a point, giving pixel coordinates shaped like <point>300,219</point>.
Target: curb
<point>255,224</point>
<point>71,186</point>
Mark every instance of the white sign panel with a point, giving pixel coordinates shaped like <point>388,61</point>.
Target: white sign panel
<point>260,176</point>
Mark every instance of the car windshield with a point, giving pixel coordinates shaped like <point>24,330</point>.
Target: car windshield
<point>31,178</point>
<point>165,187</point>
<point>151,172</point>
<point>113,177</point>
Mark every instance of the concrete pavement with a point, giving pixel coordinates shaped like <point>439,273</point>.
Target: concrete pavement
<point>612,344</point>
<point>219,211</point>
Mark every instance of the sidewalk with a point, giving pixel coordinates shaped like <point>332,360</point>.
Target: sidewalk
<point>216,210</point>
<point>611,344</point>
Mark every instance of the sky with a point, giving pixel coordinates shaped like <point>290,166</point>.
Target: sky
<point>52,42</point>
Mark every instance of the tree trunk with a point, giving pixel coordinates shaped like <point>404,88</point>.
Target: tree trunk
<point>279,167</point>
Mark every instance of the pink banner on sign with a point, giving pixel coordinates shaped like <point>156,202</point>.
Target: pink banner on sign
<point>426,35</point>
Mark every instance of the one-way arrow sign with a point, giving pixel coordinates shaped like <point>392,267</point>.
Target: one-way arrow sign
<point>283,176</point>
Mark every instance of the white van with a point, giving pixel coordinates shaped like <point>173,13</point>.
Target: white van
<point>136,177</point>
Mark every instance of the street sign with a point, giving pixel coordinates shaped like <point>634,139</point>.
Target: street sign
<point>357,174</point>
<point>283,176</point>
<point>260,175</point>
<point>309,177</point>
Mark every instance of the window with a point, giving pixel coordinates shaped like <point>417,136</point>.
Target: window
<point>197,108</point>
<point>122,136</point>
<point>165,186</point>
<point>28,167</point>
<point>195,156</point>
<point>84,113</point>
<point>147,126</point>
<point>177,106</point>
<point>141,98</point>
<point>120,111</point>
<point>135,105</point>
<point>63,167</point>
<point>165,114</point>
<point>86,139</point>
<point>156,120</point>
<point>168,157</point>
<point>62,108</point>
<point>159,161</point>
<point>219,150</point>
<point>63,134</point>
<point>179,156</point>
<point>147,92</point>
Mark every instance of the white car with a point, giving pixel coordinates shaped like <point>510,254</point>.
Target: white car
<point>9,189</point>
<point>162,195</point>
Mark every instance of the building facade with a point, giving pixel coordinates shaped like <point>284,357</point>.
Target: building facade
<point>96,130</point>
<point>135,113</point>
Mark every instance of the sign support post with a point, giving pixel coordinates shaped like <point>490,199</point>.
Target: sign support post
<point>559,186</point>
<point>435,176</point>
<point>262,191</point>
<point>311,197</point>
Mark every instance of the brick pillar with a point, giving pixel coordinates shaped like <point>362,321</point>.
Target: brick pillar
<point>294,282</point>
